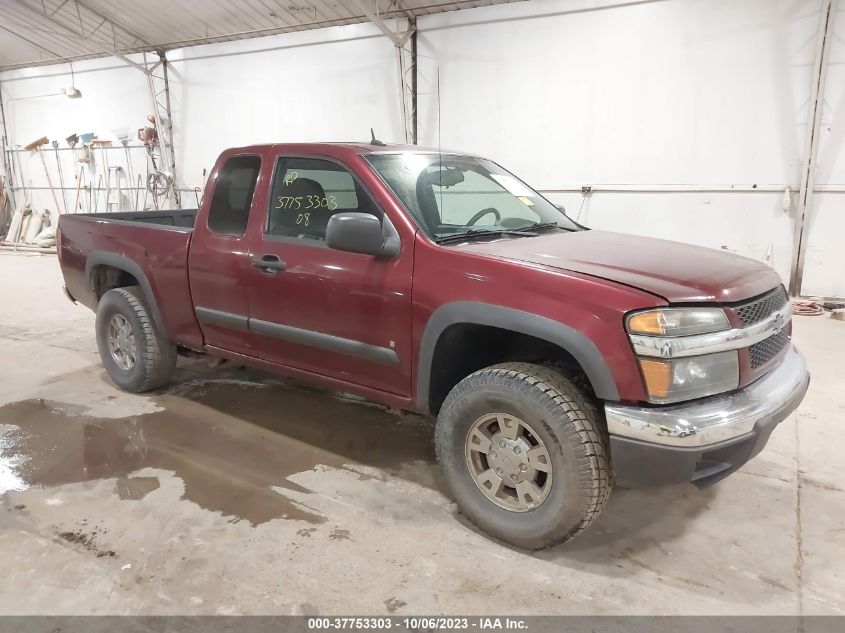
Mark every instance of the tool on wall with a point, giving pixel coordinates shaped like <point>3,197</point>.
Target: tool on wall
<point>159,183</point>
<point>105,170</point>
<point>86,158</point>
<point>123,137</point>
<point>35,147</point>
<point>118,171</point>
<point>55,145</point>
<point>72,141</point>
<point>148,135</point>
<point>78,188</point>
<point>146,192</point>
<point>20,168</point>
<point>86,155</point>
<point>138,187</point>
<point>96,196</point>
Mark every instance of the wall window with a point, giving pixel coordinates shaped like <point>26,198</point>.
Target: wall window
<point>229,210</point>
<point>307,192</point>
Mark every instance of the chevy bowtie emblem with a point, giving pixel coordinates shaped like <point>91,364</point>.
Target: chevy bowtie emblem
<point>777,322</point>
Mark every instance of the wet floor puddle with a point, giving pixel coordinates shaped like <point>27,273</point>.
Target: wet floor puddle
<point>229,441</point>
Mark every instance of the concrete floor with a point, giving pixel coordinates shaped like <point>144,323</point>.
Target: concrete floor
<point>234,492</point>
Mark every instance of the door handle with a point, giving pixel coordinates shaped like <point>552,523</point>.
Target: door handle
<point>269,263</point>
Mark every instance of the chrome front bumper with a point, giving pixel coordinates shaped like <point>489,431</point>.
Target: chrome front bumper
<point>717,418</point>
<point>706,439</point>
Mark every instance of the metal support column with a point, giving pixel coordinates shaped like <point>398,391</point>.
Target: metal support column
<point>811,144</point>
<point>160,101</point>
<point>159,88</point>
<point>407,58</point>
<point>169,129</point>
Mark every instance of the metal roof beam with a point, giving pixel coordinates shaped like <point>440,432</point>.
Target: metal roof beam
<point>72,32</point>
<point>29,41</point>
<point>114,22</point>
<point>373,16</point>
<point>68,30</point>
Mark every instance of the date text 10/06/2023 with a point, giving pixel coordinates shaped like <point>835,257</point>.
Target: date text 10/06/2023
<point>417,623</point>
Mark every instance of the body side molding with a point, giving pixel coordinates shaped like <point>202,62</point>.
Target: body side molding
<point>218,317</point>
<point>328,342</point>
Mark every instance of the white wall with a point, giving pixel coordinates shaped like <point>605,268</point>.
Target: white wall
<point>114,97</point>
<point>322,85</point>
<point>665,103</point>
<point>679,94</point>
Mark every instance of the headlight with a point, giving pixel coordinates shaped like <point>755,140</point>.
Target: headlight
<point>678,321</point>
<point>687,378</point>
<point>660,334</point>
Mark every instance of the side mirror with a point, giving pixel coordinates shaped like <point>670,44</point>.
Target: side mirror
<point>362,233</point>
<point>561,208</point>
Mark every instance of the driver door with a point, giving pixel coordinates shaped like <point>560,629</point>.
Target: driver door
<point>342,315</point>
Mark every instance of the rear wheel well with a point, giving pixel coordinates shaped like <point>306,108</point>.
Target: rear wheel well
<point>464,348</point>
<point>105,278</point>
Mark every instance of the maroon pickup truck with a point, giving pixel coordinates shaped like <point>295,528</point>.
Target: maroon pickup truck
<point>556,359</point>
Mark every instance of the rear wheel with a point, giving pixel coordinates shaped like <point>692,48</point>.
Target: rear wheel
<point>135,354</point>
<point>525,454</point>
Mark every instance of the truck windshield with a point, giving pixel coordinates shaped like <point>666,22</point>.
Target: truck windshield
<point>453,196</point>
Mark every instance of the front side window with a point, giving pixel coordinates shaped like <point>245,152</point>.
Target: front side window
<point>307,192</point>
<point>229,210</point>
<point>452,195</point>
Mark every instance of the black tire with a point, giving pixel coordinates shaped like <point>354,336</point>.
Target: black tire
<point>569,425</point>
<point>155,353</point>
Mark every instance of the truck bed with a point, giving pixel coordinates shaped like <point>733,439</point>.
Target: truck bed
<point>151,246</point>
<point>183,218</point>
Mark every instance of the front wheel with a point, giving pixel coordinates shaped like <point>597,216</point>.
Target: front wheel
<point>525,454</point>
<point>136,355</point>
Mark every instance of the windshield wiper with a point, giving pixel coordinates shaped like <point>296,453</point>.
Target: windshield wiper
<point>540,226</point>
<point>546,225</point>
<point>474,233</point>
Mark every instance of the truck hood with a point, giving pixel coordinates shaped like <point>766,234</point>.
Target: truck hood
<point>676,271</point>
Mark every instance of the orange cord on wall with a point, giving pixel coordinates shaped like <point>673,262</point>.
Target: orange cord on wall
<point>807,308</point>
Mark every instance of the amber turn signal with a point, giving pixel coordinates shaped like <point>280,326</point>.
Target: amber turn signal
<point>646,322</point>
<point>677,321</point>
<point>658,376</point>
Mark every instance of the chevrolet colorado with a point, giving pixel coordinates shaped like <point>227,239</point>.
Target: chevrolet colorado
<point>556,359</point>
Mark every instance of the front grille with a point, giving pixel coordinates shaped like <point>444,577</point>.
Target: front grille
<point>762,308</point>
<point>764,351</point>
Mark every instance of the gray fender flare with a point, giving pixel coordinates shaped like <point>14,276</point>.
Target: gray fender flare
<point>577,344</point>
<point>105,258</point>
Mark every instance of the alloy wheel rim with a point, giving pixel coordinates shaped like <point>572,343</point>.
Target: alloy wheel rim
<point>121,341</point>
<point>508,462</point>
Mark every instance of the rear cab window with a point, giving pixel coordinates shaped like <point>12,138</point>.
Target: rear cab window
<point>228,212</point>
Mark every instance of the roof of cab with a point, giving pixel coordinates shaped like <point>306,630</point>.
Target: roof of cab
<point>346,147</point>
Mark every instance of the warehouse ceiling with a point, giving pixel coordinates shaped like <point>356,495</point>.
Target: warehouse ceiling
<point>38,32</point>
